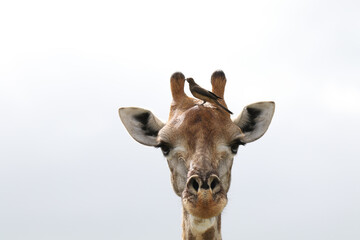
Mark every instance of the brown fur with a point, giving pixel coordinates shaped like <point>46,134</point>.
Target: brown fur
<point>205,205</point>
<point>218,82</point>
<point>177,82</point>
<point>190,236</point>
<point>209,234</point>
<point>199,129</point>
<point>212,233</point>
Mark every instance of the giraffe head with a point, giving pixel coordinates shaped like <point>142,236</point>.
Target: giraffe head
<point>199,143</point>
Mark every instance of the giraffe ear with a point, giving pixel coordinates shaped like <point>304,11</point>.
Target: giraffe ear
<point>141,124</point>
<point>255,120</point>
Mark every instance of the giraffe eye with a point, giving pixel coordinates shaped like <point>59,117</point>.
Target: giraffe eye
<point>234,148</point>
<point>165,149</point>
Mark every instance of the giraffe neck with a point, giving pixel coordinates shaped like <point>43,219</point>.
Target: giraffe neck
<point>195,228</point>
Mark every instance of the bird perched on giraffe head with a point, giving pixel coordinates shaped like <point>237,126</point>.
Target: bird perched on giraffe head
<point>204,94</point>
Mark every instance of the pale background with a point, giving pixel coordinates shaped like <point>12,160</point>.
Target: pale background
<point>69,170</point>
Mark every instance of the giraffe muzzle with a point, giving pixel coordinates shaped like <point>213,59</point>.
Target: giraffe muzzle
<point>204,197</point>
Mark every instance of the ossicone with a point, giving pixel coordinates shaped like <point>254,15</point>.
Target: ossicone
<point>177,82</point>
<point>218,82</point>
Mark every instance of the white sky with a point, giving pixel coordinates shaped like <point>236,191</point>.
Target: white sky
<point>68,168</point>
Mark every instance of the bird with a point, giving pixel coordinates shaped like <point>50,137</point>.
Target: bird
<point>204,94</point>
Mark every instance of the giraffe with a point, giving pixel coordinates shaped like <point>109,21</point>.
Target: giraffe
<point>199,143</point>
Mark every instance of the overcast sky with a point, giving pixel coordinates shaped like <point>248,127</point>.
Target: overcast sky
<point>69,170</point>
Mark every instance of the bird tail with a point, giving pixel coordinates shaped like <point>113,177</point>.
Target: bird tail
<point>227,110</point>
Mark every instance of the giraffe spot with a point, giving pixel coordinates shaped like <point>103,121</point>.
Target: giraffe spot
<point>209,234</point>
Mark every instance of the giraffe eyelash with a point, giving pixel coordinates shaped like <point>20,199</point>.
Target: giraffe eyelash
<point>165,147</point>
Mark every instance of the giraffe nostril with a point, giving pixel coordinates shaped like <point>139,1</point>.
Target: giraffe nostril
<point>195,184</point>
<point>214,183</point>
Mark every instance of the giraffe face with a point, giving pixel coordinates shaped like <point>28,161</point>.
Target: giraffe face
<point>200,144</point>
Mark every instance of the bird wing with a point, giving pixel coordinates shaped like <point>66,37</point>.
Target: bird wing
<point>204,92</point>
<point>216,96</point>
